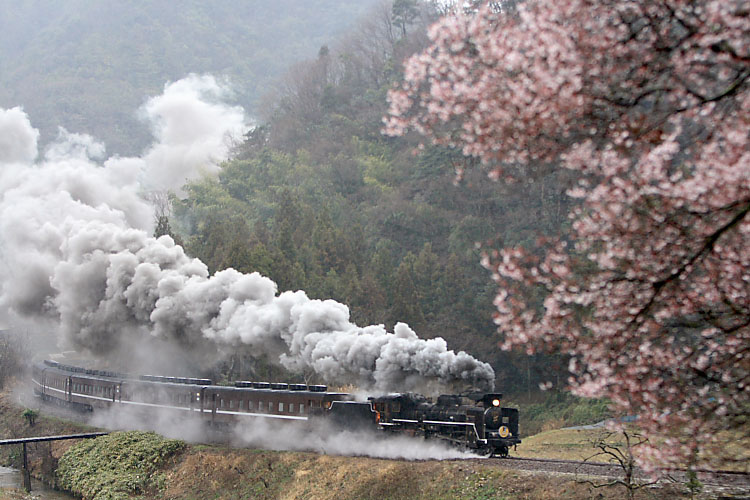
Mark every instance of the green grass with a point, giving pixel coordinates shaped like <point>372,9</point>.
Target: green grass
<point>558,410</point>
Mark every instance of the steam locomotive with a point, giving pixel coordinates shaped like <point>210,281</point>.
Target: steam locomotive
<point>475,421</point>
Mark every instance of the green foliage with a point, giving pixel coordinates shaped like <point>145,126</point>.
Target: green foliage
<point>693,484</point>
<point>317,199</point>
<point>560,409</point>
<point>115,466</point>
<point>30,416</point>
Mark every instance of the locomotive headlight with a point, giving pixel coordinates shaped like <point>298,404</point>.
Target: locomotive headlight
<point>503,431</point>
<point>495,402</point>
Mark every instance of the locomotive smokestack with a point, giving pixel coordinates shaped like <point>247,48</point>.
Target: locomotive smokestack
<point>75,237</point>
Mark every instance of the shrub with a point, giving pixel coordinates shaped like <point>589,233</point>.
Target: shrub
<point>115,466</point>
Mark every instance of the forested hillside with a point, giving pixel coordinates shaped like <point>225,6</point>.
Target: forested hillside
<point>86,65</point>
<point>318,199</point>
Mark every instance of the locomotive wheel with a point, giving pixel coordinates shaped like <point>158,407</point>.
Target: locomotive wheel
<point>501,452</point>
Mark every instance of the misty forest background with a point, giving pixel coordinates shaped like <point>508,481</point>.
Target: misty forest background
<point>315,197</point>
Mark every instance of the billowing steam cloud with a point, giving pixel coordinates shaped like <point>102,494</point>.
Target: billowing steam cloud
<point>76,248</point>
<point>193,130</point>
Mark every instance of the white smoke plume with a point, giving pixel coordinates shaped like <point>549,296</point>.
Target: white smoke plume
<point>324,438</point>
<point>18,140</point>
<point>75,248</point>
<point>194,131</point>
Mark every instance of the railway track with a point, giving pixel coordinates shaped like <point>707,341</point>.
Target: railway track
<point>738,482</point>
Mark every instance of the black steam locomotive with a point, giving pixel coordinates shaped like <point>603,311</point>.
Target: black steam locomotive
<point>474,421</point>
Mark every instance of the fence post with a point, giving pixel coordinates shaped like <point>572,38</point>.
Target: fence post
<point>26,473</point>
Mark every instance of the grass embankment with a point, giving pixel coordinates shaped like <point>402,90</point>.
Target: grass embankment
<point>567,444</point>
<point>545,411</point>
<point>144,466</point>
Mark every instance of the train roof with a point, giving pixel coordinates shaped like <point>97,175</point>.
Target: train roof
<point>244,386</point>
<point>107,374</point>
<point>318,393</point>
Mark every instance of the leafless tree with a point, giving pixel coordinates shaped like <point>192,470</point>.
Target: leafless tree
<point>12,356</point>
<point>618,448</point>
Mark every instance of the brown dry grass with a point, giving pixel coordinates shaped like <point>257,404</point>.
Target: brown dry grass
<point>14,494</point>
<point>733,452</point>
<point>565,444</point>
<point>205,473</point>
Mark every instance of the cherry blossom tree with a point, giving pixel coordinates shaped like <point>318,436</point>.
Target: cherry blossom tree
<point>648,102</point>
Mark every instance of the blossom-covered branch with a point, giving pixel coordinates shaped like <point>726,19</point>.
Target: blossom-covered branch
<point>649,102</point>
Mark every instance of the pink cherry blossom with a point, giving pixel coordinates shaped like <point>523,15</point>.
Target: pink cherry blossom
<point>649,102</point>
